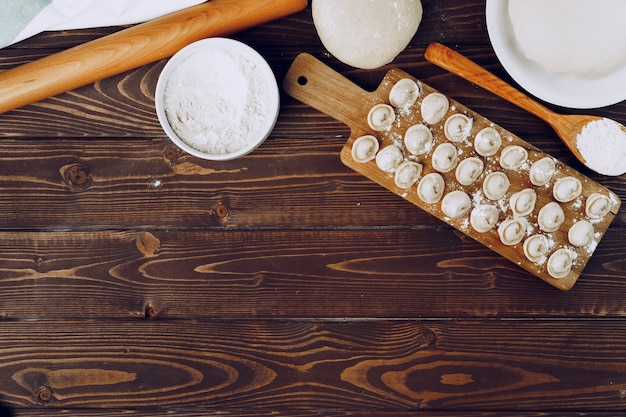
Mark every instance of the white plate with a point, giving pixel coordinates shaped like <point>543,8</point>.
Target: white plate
<point>559,89</point>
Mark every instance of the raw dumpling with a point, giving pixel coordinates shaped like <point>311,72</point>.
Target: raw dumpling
<point>487,142</point>
<point>496,185</point>
<point>597,205</point>
<point>484,217</point>
<point>512,231</point>
<point>457,127</point>
<point>456,204</point>
<point>567,189</point>
<point>389,158</point>
<point>418,139</point>
<point>366,34</point>
<point>430,188</point>
<point>468,170</point>
<point>364,148</point>
<point>380,117</point>
<point>523,202</point>
<point>513,156</point>
<point>581,233</point>
<point>407,174</point>
<point>404,93</point>
<point>434,107</point>
<point>541,171</point>
<point>445,157</point>
<point>560,263</point>
<point>550,217</point>
<point>536,248</point>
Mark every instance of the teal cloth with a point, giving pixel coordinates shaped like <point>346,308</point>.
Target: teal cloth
<point>15,15</point>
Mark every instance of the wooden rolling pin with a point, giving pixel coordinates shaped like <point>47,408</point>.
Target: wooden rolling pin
<point>133,47</point>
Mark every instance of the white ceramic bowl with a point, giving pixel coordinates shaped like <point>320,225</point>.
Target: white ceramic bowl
<point>225,71</point>
<point>560,89</point>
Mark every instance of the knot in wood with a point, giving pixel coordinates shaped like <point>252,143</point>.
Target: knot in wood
<point>221,210</point>
<point>76,176</point>
<point>147,243</point>
<point>44,395</point>
<point>150,312</point>
<point>430,337</point>
<point>170,153</point>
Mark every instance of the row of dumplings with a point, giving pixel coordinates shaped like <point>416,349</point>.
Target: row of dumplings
<point>445,158</point>
<point>418,140</point>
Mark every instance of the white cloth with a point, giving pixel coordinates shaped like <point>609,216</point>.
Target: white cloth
<point>21,19</point>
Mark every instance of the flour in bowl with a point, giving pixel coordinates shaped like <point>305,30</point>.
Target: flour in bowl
<point>218,102</point>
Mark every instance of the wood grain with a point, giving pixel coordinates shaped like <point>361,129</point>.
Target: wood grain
<point>272,273</point>
<point>203,412</point>
<point>119,184</point>
<point>137,280</point>
<point>367,366</point>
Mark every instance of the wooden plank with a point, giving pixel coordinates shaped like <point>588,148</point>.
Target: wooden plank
<point>267,273</point>
<point>82,185</point>
<point>110,184</point>
<point>118,259</point>
<point>204,412</point>
<point>264,365</point>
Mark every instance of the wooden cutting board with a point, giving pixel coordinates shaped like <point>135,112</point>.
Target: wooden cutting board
<point>314,83</point>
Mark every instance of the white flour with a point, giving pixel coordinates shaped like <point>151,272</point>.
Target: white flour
<point>216,102</point>
<point>603,145</point>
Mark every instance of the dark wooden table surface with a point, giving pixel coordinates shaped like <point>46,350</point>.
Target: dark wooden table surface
<point>138,280</point>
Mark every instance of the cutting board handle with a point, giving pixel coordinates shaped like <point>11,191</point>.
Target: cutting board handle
<point>316,84</point>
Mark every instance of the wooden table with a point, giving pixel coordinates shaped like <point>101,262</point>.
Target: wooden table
<point>137,279</point>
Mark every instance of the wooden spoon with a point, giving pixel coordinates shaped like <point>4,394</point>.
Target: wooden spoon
<point>567,127</point>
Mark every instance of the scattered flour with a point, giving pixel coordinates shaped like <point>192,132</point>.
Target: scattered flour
<point>603,145</point>
<point>217,102</point>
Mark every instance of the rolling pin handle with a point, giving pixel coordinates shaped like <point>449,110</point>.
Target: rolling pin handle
<point>133,47</point>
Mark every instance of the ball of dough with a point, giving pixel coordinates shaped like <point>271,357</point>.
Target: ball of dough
<point>582,38</point>
<point>366,34</point>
